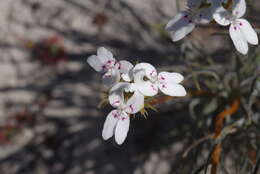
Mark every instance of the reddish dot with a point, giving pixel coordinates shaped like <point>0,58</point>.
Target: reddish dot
<point>132,108</point>
<point>115,115</point>
<point>162,78</point>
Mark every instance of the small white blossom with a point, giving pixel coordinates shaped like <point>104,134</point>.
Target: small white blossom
<point>117,122</point>
<point>105,63</point>
<point>184,22</point>
<point>240,30</point>
<point>167,82</point>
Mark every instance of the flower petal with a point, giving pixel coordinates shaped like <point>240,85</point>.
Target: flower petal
<point>111,77</point>
<point>150,71</point>
<point>238,39</point>
<point>172,89</point>
<point>239,8</point>
<point>168,77</point>
<point>221,15</point>
<point>95,63</point>
<point>147,88</point>
<point>125,68</point>
<point>116,94</point>
<point>181,25</point>
<point>104,54</point>
<point>110,124</point>
<point>122,128</point>
<point>248,32</point>
<point>135,103</point>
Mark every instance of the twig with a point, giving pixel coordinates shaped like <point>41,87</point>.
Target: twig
<point>196,143</point>
<point>208,159</point>
<point>204,72</point>
<point>168,98</point>
<point>221,116</point>
<point>199,169</point>
<point>218,129</point>
<point>256,168</point>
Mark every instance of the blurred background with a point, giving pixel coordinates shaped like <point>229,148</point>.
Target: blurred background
<point>50,119</point>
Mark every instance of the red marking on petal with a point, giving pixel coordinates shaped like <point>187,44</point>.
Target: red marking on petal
<point>153,73</point>
<point>114,114</point>
<point>162,78</point>
<point>132,108</point>
<point>163,86</point>
<point>153,88</point>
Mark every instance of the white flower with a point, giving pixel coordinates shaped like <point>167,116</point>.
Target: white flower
<point>117,122</point>
<point>148,82</point>
<point>184,22</point>
<point>105,63</point>
<point>240,30</point>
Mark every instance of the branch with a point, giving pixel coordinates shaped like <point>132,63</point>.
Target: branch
<point>256,165</point>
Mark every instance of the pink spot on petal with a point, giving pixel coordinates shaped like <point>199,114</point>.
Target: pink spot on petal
<point>153,88</point>
<point>162,78</point>
<point>131,107</point>
<point>235,28</point>
<point>114,114</point>
<point>240,24</point>
<point>153,73</point>
<point>163,86</point>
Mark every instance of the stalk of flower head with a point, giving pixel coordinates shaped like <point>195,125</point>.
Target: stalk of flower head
<point>128,86</point>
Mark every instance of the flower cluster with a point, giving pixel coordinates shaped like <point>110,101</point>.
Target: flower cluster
<point>129,87</point>
<point>204,11</point>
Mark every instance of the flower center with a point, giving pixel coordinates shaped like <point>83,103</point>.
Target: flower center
<point>109,64</point>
